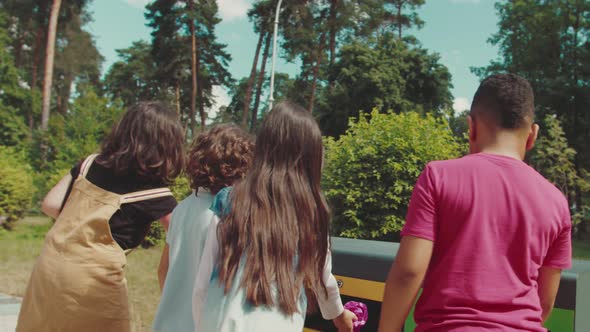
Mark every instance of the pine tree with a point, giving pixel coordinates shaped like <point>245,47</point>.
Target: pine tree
<point>172,23</point>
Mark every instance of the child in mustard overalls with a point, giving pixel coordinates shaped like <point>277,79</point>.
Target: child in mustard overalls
<point>104,208</point>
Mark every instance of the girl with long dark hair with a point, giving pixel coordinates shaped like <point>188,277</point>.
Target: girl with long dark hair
<point>267,252</point>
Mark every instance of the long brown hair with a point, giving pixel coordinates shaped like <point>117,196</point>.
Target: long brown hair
<point>148,142</point>
<point>279,219</point>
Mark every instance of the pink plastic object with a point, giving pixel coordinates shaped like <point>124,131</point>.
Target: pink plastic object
<point>361,312</point>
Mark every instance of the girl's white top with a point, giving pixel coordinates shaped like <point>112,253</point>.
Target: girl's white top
<point>186,239</point>
<point>215,311</point>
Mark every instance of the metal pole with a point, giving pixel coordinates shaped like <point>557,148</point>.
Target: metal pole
<point>271,99</point>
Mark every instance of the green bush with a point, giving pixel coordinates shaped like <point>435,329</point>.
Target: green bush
<point>555,160</point>
<point>180,189</point>
<point>16,186</point>
<point>154,235</point>
<point>371,170</point>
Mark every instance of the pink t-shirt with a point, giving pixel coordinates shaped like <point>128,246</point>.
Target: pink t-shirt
<point>494,222</point>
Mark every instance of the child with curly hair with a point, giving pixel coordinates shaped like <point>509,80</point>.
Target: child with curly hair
<point>217,159</point>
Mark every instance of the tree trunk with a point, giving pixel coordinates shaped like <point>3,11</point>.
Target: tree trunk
<point>49,57</point>
<point>40,33</point>
<point>200,95</point>
<point>62,106</point>
<point>37,56</point>
<point>399,20</point>
<point>261,77</point>
<point>248,97</point>
<point>178,99</point>
<point>194,69</point>
<point>316,71</point>
<point>18,47</point>
<point>333,30</point>
<point>35,70</point>
<point>38,44</point>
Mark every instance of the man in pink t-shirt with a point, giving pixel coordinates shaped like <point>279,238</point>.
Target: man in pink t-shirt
<point>486,235</point>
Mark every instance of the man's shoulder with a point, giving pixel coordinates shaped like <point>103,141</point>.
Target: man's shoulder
<point>437,166</point>
<point>552,190</point>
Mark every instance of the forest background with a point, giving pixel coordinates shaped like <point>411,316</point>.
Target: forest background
<point>382,99</point>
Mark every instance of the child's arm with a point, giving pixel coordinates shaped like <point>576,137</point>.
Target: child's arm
<point>330,304</point>
<point>548,280</point>
<point>404,281</point>
<point>53,201</point>
<point>165,221</point>
<point>206,266</point>
<point>163,266</point>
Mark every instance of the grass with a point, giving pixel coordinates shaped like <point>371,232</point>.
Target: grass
<point>19,249</point>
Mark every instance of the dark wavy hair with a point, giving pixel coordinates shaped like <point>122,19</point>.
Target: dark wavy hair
<point>279,219</point>
<point>148,142</point>
<point>219,157</point>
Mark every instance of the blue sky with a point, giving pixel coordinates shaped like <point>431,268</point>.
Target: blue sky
<point>456,29</point>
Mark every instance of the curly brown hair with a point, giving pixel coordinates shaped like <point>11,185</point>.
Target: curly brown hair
<point>219,157</point>
<point>147,143</point>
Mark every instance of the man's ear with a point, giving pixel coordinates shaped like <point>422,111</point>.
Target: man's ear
<point>472,128</point>
<point>533,134</point>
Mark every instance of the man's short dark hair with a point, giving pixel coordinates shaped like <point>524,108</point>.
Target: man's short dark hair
<point>508,98</point>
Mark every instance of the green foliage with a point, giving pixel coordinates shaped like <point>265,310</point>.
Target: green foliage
<point>171,51</point>
<point>371,170</point>
<point>554,159</point>
<point>13,130</point>
<point>460,127</point>
<point>547,43</point>
<point>16,186</point>
<point>77,60</point>
<point>403,20</point>
<point>78,133</point>
<point>155,235</point>
<point>132,78</point>
<point>385,73</point>
<point>72,137</point>
<point>181,189</point>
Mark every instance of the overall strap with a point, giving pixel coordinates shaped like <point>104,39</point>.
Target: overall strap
<point>86,165</point>
<point>145,195</point>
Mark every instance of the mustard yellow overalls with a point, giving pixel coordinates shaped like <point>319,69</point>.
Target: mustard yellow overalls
<point>78,282</point>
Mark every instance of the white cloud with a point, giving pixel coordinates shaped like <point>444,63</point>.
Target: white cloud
<point>232,9</point>
<point>466,1</point>
<point>138,3</point>
<point>461,104</point>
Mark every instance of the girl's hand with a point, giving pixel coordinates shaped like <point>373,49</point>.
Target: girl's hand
<point>344,322</point>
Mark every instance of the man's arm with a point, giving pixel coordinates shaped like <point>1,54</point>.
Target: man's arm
<point>548,280</point>
<point>404,281</point>
<point>163,266</point>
